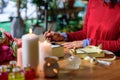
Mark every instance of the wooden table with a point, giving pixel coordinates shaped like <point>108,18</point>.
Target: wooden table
<point>87,71</point>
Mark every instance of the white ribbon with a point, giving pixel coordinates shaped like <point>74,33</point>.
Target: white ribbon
<point>110,53</point>
<point>106,61</point>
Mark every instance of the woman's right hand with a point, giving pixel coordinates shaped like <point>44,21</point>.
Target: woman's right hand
<point>53,36</point>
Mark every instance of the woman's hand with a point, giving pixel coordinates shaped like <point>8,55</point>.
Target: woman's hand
<point>53,36</point>
<point>76,44</point>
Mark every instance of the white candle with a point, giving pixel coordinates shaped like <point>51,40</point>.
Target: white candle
<point>30,54</point>
<point>44,51</point>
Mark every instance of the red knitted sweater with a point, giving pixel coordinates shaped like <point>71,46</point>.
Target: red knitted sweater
<point>102,26</point>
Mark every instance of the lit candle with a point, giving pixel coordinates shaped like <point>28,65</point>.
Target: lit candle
<point>30,50</point>
<point>44,51</point>
<point>51,67</point>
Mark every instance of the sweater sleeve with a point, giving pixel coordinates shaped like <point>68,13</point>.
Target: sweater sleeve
<point>111,45</point>
<point>80,35</point>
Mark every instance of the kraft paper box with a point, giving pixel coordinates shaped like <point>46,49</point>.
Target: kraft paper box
<point>91,51</point>
<point>57,50</point>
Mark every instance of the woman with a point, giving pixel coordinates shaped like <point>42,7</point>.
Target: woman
<point>102,26</point>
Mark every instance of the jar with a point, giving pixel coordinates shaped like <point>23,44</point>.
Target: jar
<point>12,64</point>
<point>74,62</point>
<point>29,73</point>
<point>16,74</point>
<point>51,67</point>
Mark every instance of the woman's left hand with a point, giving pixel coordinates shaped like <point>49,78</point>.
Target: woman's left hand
<point>76,44</point>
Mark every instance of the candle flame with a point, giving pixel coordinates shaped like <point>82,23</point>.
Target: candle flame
<point>48,64</point>
<point>55,70</point>
<point>30,31</point>
<point>45,42</point>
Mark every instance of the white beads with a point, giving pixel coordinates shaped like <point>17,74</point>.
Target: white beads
<point>92,60</point>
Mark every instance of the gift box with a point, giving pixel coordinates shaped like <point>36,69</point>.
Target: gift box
<point>91,51</point>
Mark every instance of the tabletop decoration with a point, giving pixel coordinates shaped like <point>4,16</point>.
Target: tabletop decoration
<point>51,67</point>
<point>8,46</point>
<point>103,61</point>
<point>13,64</point>
<point>87,58</point>
<point>93,51</point>
<point>16,74</point>
<point>19,57</point>
<point>13,72</point>
<point>29,73</point>
<point>3,73</point>
<point>30,49</point>
<point>45,50</point>
<point>93,60</point>
<point>74,61</point>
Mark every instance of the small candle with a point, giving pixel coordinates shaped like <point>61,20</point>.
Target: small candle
<point>19,57</point>
<point>51,67</point>
<point>30,50</point>
<point>44,51</point>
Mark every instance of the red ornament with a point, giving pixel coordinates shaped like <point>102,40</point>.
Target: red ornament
<point>29,73</point>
